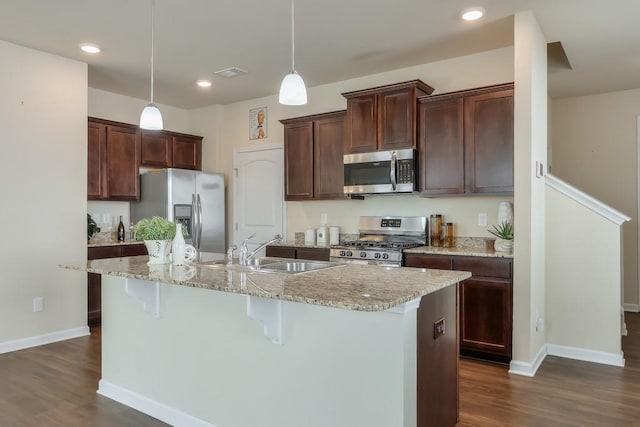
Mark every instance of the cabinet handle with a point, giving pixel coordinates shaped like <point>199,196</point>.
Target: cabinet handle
<point>392,170</point>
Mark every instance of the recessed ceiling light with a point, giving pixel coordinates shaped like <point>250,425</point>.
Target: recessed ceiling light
<point>203,83</point>
<point>472,13</point>
<point>90,48</point>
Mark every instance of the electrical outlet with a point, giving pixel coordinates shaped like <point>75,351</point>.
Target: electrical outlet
<point>540,325</point>
<point>482,219</point>
<point>38,304</point>
<point>438,328</point>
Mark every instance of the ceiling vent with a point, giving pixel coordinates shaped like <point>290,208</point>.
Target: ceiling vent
<point>231,72</point>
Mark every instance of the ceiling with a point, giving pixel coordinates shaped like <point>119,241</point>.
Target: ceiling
<point>335,40</point>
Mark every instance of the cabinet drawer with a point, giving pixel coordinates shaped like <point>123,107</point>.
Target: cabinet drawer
<point>133,250</point>
<point>103,252</point>
<point>281,251</point>
<point>427,261</point>
<point>486,267</point>
<point>316,254</point>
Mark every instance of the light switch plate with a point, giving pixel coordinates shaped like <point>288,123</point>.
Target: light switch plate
<point>482,219</point>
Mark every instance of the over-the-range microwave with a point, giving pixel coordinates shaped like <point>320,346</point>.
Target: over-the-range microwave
<point>380,172</point>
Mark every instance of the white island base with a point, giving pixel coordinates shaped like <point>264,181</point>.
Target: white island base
<point>204,362</point>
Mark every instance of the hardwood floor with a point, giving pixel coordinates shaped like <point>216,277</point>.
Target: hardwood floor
<point>55,385</point>
<point>564,392</point>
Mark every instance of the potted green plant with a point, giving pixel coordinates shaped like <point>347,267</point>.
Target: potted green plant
<point>504,237</point>
<point>92,227</point>
<point>157,234</point>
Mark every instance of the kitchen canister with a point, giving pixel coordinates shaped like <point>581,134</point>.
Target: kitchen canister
<point>334,235</point>
<point>322,238</point>
<point>310,236</point>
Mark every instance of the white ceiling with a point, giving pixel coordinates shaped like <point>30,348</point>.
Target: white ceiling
<point>335,40</point>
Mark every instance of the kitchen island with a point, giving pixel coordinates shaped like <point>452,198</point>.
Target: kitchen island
<point>227,347</point>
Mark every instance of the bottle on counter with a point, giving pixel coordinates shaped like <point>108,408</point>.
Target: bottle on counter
<point>131,232</point>
<point>120,230</point>
<point>435,229</point>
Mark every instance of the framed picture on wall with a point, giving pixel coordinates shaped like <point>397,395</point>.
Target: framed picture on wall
<point>258,123</point>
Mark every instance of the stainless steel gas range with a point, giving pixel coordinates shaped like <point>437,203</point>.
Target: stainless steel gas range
<point>382,240</point>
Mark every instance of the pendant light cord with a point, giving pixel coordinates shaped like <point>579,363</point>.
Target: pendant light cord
<point>152,25</point>
<point>293,43</point>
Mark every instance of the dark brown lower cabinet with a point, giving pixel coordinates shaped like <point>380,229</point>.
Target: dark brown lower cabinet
<point>94,281</point>
<point>316,254</point>
<point>486,303</point>
<point>437,368</point>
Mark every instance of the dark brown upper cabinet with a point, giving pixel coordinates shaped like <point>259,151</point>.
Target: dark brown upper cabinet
<point>383,118</point>
<point>113,161</point>
<point>466,142</point>
<point>171,150</point>
<point>117,150</point>
<point>313,156</point>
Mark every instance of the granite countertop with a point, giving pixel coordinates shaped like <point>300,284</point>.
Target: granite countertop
<point>346,286</point>
<point>459,251</point>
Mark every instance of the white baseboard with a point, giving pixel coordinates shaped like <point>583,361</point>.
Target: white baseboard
<point>586,355</point>
<point>21,344</point>
<point>528,369</point>
<point>634,308</point>
<point>150,407</point>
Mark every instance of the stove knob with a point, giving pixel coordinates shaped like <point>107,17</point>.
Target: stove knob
<point>363,254</point>
<point>341,253</point>
<point>348,253</point>
<point>377,256</point>
<point>385,256</point>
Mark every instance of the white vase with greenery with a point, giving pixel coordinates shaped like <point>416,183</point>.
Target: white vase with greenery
<point>157,234</point>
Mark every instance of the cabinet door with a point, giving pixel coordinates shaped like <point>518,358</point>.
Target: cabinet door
<point>155,149</point>
<point>133,250</point>
<point>123,160</point>
<point>437,262</point>
<point>187,152</point>
<point>361,124</point>
<point>328,143</point>
<point>441,154</point>
<point>489,142</point>
<point>298,161</point>
<point>486,319</point>
<point>94,299</point>
<point>96,172</point>
<point>396,119</point>
<point>316,254</point>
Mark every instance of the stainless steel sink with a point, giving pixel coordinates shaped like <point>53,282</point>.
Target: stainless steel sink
<point>293,267</point>
<point>273,265</point>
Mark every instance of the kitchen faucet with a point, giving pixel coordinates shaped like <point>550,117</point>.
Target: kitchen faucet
<point>246,257</point>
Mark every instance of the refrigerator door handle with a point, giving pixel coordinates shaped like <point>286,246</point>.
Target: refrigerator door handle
<point>194,221</point>
<point>199,221</point>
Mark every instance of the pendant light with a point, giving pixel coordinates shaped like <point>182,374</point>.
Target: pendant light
<point>292,89</point>
<point>151,118</point>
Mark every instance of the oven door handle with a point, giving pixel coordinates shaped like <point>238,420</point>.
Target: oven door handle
<point>392,170</point>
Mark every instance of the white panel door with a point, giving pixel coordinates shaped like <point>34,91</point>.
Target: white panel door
<point>258,186</point>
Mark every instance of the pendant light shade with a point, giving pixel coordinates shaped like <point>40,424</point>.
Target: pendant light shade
<point>151,118</point>
<point>292,89</point>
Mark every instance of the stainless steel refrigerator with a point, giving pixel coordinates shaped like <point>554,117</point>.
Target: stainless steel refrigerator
<point>196,199</point>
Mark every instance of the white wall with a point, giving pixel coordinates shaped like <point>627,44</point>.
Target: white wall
<point>595,149</point>
<point>490,67</point>
<point>529,221</point>
<point>43,117</point>
<point>583,285</point>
